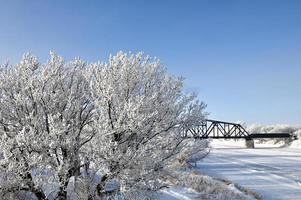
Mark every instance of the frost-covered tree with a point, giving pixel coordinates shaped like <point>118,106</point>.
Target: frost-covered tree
<point>45,113</point>
<point>142,111</point>
<point>66,124</point>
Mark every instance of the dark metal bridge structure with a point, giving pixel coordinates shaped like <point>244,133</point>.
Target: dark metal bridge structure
<point>227,130</point>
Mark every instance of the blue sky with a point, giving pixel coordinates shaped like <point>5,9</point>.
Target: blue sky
<point>242,57</point>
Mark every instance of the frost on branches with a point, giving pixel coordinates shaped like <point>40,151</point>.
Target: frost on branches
<point>90,131</point>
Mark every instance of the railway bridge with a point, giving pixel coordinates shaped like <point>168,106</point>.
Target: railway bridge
<point>228,130</point>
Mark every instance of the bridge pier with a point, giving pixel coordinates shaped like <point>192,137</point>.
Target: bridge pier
<point>250,143</point>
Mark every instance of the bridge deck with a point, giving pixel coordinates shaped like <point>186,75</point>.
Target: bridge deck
<point>271,135</point>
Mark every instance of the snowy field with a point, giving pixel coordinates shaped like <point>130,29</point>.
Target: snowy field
<point>272,171</point>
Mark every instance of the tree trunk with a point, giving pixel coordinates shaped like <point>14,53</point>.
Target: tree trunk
<point>64,181</point>
<point>39,194</point>
<point>100,188</point>
<point>62,194</point>
<point>37,191</point>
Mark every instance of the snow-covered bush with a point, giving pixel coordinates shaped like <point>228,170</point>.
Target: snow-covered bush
<point>278,128</point>
<point>69,123</point>
<point>193,151</point>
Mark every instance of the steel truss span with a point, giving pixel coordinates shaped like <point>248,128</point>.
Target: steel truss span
<point>218,129</point>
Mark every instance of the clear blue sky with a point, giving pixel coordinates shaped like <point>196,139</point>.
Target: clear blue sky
<point>242,57</point>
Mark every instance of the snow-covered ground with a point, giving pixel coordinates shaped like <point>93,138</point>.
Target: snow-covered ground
<point>270,170</point>
<point>178,193</point>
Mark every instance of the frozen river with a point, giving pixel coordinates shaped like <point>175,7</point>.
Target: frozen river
<point>274,172</point>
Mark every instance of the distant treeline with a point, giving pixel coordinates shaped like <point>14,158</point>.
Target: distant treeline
<point>278,128</point>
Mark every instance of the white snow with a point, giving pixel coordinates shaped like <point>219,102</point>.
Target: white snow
<point>296,144</point>
<point>270,170</point>
<point>178,193</point>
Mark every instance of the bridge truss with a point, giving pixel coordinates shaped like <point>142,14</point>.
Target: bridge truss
<point>227,130</point>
